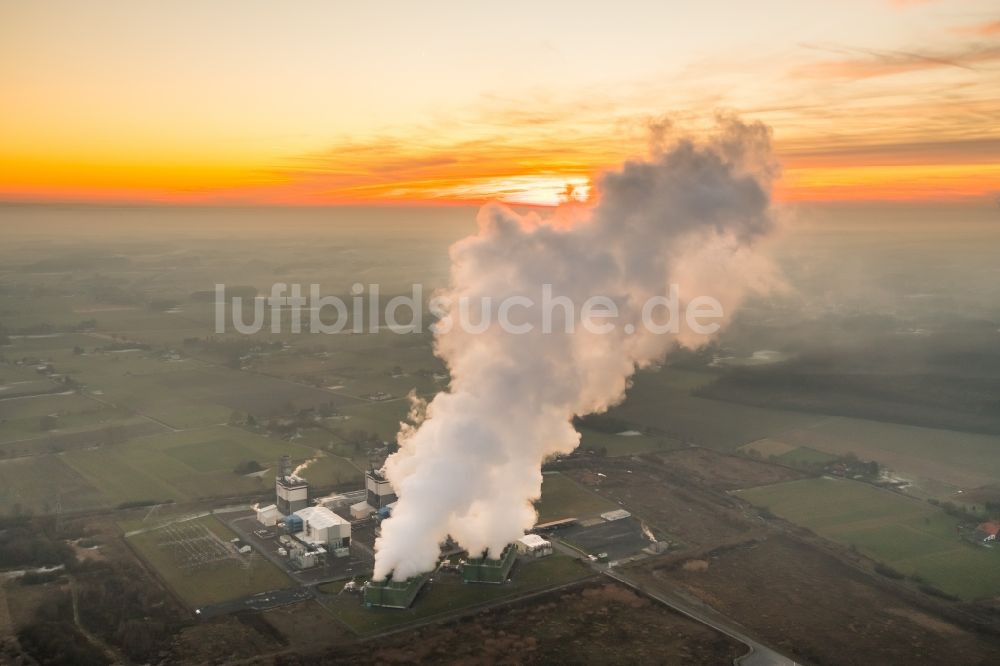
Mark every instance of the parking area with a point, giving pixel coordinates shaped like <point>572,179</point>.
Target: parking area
<point>618,538</point>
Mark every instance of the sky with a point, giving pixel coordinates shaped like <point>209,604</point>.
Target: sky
<point>311,103</point>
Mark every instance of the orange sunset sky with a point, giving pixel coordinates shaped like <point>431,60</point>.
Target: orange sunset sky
<point>305,103</point>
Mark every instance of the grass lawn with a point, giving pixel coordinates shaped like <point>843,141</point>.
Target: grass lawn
<point>447,594</point>
<point>912,536</point>
<point>223,574</point>
<point>562,497</point>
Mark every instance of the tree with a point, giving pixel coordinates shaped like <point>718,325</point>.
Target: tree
<point>872,469</point>
<point>248,467</point>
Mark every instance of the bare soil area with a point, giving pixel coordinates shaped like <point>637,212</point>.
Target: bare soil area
<point>724,471</point>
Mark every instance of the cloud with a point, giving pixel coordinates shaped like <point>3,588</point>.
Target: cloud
<point>949,151</point>
<point>987,29</point>
<point>903,4</point>
<point>870,63</point>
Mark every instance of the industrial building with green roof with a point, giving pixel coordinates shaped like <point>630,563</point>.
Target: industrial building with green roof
<point>487,570</point>
<point>390,593</point>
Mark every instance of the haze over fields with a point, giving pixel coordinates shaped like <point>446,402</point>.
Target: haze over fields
<point>266,392</point>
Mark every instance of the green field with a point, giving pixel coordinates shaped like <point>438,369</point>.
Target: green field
<point>562,497</point>
<point>448,594</point>
<point>45,484</point>
<point>960,459</point>
<point>803,455</point>
<point>937,461</point>
<point>197,562</point>
<point>333,471</point>
<point>662,399</point>
<point>624,445</point>
<point>785,453</point>
<point>188,465</point>
<point>910,535</point>
<point>382,418</point>
<point>21,418</point>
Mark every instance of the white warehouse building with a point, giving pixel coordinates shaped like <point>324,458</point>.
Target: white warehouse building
<point>323,527</point>
<point>268,516</point>
<point>533,545</point>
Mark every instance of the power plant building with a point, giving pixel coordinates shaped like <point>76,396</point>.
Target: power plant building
<point>487,570</point>
<point>268,516</point>
<point>323,527</point>
<point>389,593</point>
<point>292,491</point>
<point>313,534</point>
<point>379,494</point>
<point>533,545</point>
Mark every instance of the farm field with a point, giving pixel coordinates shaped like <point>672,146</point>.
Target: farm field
<point>448,594</point>
<point>615,444</point>
<point>61,440</point>
<point>197,561</point>
<point>722,470</point>
<point>937,461</point>
<point>785,453</point>
<point>957,458</point>
<point>13,410</point>
<point>180,466</point>
<point>193,394</point>
<point>61,417</point>
<point>562,497</point>
<point>663,400</point>
<point>382,418</point>
<point>43,484</point>
<point>910,535</point>
<point>329,471</point>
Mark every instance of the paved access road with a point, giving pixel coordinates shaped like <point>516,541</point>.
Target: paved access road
<point>759,654</point>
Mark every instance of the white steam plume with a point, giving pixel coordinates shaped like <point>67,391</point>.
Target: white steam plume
<point>471,467</point>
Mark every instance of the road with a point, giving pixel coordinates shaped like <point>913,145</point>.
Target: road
<point>758,654</point>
